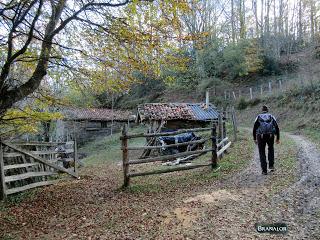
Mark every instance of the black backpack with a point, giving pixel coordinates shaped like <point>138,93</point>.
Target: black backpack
<point>266,126</point>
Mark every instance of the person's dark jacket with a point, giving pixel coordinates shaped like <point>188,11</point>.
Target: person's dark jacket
<point>265,116</point>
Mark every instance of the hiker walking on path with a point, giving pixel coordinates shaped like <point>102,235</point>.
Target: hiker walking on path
<point>264,131</point>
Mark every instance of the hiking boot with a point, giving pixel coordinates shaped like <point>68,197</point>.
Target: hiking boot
<point>264,173</point>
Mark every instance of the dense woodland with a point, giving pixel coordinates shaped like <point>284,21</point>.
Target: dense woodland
<point>122,53</point>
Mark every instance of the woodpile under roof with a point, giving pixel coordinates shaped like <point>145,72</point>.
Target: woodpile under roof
<point>177,111</point>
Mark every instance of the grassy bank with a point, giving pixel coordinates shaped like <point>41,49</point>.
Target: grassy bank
<point>297,111</point>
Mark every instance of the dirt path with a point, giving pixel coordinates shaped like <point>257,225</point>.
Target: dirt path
<point>179,206</point>
<point>236,204</point>
<point>304,195</point>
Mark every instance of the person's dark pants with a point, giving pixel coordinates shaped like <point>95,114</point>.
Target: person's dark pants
<point>263,140</point>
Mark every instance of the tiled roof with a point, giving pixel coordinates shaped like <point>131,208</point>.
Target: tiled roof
<point>99,114</point>
<point>177,111</point>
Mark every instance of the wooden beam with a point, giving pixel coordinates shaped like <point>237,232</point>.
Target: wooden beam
<point>220,127</point>
<point>220,152</point>
<point>32,185</point>
<point>169,157</point>
<point>38,143</point>
<point>166,133</point>
<point>11,155</point>
<point>24,165</point>
<point>75,150</point>
<point>220,144</point>
<point>39,159</point>
<point>167,146</point>
<point>3,193</point>
<point>214,157</point>
<point>43,152</point>
<point>234,125</point>
<point>27,175</point>
<point>152,141</point>
<point>169,170</point>
<point>125,159</point>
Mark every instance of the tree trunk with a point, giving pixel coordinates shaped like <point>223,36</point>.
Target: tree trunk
<point>242,19</point>
<point>312,19</point>
<point>300,30</point>
<point>233,33</point>
<point>9,97</point>
<point>255,12</point>
<point>262,17</point>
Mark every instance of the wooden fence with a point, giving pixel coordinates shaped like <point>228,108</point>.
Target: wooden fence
<point>26,165</point>
<point>219,144</point>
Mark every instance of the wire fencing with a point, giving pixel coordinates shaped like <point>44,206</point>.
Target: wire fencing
<point>269,88</point>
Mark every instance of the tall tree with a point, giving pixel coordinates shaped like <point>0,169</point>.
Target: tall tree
<point>300,22</point>
<point>38,32</point>
<point>242,19</point>
<point>233,23</point>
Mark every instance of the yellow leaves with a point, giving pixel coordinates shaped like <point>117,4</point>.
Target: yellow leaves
<point>141,41</point>
<point>253,61</point>
<point>169,80</point>
<point>25,120</point>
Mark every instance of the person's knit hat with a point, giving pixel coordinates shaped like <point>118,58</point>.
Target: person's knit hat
<point>265,108</point>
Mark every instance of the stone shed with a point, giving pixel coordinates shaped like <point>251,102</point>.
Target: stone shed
<point>89,123</point>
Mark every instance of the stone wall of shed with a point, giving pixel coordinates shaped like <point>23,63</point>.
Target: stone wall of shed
<point>84,131</point>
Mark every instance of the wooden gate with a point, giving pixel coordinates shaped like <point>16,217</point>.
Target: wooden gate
<point>27,165</point>
<point>219,144</point>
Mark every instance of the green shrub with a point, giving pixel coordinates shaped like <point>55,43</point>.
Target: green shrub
<point>270,66</point>
<point>242,104</point>
<point>254,102</point>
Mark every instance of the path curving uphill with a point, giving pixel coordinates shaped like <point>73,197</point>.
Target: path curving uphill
<point>304,195</point>
<point>234,205</point>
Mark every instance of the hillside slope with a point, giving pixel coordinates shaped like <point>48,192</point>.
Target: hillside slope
<point>297,111</point>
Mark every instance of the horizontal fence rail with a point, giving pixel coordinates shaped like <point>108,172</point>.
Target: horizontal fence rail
<point>169,145</point>
<point>170,157</point>
<point>163,134</point>
<point>169,170</point>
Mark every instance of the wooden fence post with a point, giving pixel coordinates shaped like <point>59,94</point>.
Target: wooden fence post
<point>280,85</point>
<point>224,129</point>
<point>224,124</point>
<point>270,88</point>
<point>2,180</point>
<point>234,124</point>
<point>214,156</point>
<point>125,160</point>
<point>220,127</point>
<point>75,159</point>
<point>234,95</point>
